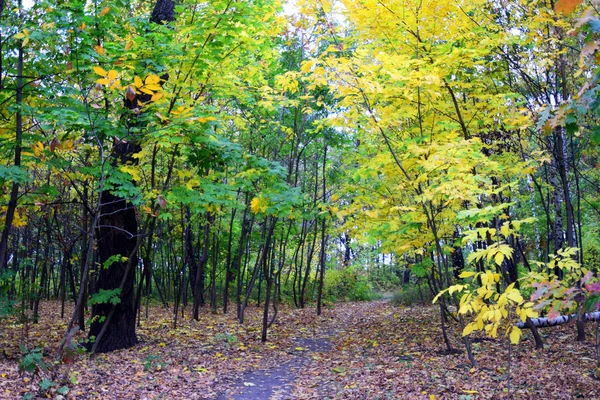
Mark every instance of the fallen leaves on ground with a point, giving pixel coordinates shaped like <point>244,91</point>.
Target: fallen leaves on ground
<point>361,351</point>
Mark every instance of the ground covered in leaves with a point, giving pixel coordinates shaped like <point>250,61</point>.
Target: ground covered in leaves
<point>368,350</point>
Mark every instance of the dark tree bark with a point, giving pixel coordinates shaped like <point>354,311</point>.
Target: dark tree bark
<point>164,11</point>
<point>199,277</point>
<point>323,238</point>
<point>458,261</point>
<point>228,262</point>
<point>117,235</point>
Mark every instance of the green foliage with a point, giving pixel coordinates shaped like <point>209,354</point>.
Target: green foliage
<point>153,362</point>
<point>410,295</point>
<point>104,296</point>
<point>229,339</point>
<point>32,361</point>
<point>6,303</point>
<point>347,284</point>
<point>384,279</point>
<point>115,258</point>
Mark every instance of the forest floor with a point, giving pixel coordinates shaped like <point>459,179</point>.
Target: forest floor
<point>370,350</point>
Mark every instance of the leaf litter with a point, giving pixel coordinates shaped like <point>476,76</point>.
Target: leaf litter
<point>370,350</point>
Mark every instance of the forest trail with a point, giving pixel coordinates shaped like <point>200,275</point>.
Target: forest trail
<point>353,351</point>
<point>277,382</point>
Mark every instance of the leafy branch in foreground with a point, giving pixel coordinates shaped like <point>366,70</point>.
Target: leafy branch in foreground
<point>493,309</point>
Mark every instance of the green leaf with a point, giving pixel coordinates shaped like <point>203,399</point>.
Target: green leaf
<point>106,296</point>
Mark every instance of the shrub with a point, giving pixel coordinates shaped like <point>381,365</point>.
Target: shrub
<point>409,295</point>
<point>347,284</point>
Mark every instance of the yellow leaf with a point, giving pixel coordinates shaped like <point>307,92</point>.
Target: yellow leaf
<point>152,79</point>
<point>515,335</point>
<point>515,296</point>
<point>100,50</point>
<point>129,45</point>
<point>104,11</point>
<point>306,66</point>
<point>144,90</point>
<point>38,148</point>
<point>156,96</point>
<point>99,71</point>
<point>466,274</point>
<point>326,4</point>
<point>137,82</point>
<point>206,119</point>
<point>258,205</point>
<point>469,328</point>
<point>455,288</point>
<point>192,183</point>
<point>131,170</point>
<point>566,6</point>
<point>112,74</point>
<point>153,87</point>
<point>505,229</point>
<point>531,313</point>
<point>470,391</point>
<point>19,35</point>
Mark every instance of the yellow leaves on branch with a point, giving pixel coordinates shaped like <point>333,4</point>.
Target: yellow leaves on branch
<point>131,170</point>
<point>109,79</point>
<point>491,308</point>
<point>38,149</point>
<point>151,85</point>
<point>182,111</point>
<point>498,252</point>
<point>24,35</point>
<point>259,205</point>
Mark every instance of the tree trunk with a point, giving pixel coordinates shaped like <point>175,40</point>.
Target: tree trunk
<point>267,268</point>
<point>199,277</point>
<point>562,319</point>
<point>228,262</point>
<point>14,192</point>
<point>117,235</point>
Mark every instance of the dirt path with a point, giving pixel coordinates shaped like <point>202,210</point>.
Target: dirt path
<point>276,383</point>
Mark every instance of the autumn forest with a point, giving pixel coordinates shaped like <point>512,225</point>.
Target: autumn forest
<point>314,199</point>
